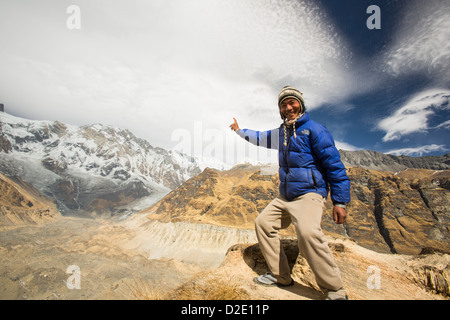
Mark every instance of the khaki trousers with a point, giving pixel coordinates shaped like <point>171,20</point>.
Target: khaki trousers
<point>305,213</point>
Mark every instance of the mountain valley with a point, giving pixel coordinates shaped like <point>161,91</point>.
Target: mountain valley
<point>92,170</point>
<point>126,212</point>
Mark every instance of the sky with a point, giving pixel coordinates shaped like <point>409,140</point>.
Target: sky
<point>176,72</point>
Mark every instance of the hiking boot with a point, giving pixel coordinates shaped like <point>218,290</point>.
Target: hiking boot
<point>336,295</point>
<point>270,280</point>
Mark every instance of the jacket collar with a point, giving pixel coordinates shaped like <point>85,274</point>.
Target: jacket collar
<point>303,119</point>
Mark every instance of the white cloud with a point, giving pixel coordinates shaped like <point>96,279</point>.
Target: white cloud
<point>445,125</point>
<point>418,151</point>
<point>414,115</point>
<point>157,66</point>
<point>422,43</point>
<point>340,145</point>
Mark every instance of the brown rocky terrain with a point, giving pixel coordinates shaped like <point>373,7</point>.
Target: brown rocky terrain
<point>367,275</point>
<point>230,198</point>
<point>35,262</point>
<point>21,204</point>
<point>201,233</point>
<point>38,245</point>
<point>35,258</point>
<point>389,212</point>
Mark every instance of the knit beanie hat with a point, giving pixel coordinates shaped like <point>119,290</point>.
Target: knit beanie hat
<point>291,92</point>
<point>286,93</point>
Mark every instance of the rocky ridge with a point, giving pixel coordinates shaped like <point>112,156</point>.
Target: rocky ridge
<point>98,170</point>
<point>21,204</point>
<point>389,213</point>
<point>231,198</point>
<point>373,160</point>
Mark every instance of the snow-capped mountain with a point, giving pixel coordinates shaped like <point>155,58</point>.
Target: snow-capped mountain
<point>89,168</point>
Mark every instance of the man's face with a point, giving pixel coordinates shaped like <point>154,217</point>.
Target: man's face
<point>290,108</point>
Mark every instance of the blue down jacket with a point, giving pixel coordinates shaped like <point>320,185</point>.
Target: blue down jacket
<point>309,163</point>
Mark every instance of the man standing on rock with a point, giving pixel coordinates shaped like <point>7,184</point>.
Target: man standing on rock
<point>309,167</point>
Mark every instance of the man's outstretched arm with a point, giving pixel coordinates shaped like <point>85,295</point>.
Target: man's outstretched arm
<point>268,139</point>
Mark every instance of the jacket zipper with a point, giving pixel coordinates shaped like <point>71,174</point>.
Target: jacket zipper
<point>286,155</point>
